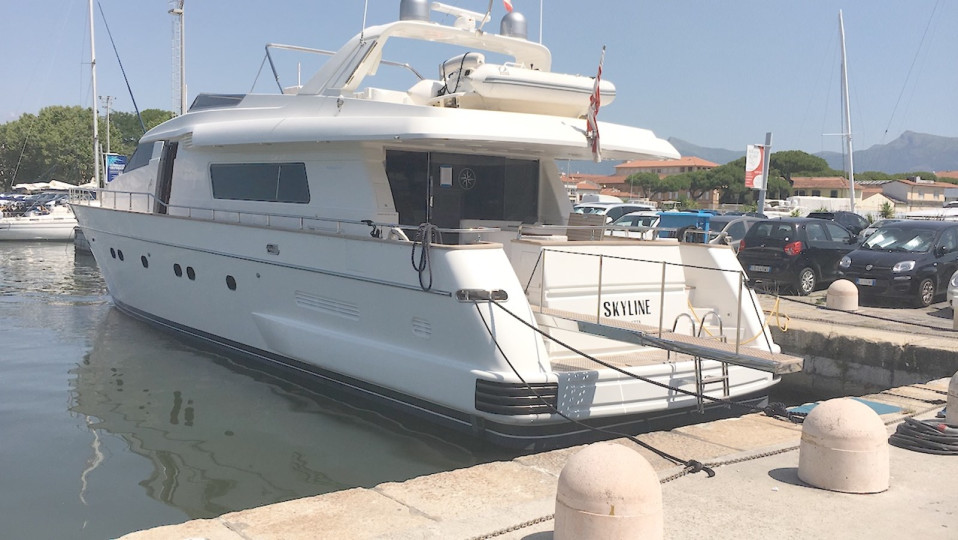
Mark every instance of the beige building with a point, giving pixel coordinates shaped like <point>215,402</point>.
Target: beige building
<point>664,168</point>
<point>917,194</point>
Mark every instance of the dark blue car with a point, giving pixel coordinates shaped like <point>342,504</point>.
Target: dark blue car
<point>909,259</point>
<point>800,253</point>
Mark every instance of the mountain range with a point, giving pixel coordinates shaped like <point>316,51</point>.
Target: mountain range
<point>910,152</point>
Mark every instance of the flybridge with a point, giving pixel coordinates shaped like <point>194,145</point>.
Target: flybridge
<point>362,55</point>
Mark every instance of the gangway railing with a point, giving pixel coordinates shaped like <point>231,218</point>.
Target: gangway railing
<point>693,344</point>
<point>638,334</point>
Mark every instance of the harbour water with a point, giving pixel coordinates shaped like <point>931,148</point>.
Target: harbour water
<point>110,426</point>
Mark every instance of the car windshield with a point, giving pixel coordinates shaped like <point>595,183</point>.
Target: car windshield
<point>635,221</point>
<point>899,239</point>
<point>590,209</point>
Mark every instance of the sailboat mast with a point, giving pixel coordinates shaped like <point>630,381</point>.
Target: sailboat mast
<point>847,114</point>
<point>96,132</point>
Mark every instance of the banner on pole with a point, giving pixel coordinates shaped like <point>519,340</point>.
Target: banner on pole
<point>754,162</point>
<point>114,166</point>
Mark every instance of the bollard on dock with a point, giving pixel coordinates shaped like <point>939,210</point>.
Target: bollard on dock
<point>607,491</point>
<point>844,448</point>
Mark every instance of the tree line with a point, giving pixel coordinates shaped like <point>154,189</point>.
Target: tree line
<point>57,143</point>
<point>729,179</point>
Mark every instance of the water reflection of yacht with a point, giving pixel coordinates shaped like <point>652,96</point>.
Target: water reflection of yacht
<point>221,438</point>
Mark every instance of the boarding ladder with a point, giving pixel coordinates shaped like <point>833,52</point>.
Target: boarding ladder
<point>702,382</point>
<point>696,345</point>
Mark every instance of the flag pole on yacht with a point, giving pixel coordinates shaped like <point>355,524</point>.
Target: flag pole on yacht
<point>591,123</point>
<point>847,113</point>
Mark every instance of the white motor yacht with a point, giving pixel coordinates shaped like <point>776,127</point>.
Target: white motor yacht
<point>414,245</point>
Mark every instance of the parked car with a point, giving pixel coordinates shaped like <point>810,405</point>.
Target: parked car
<point>952,292</point>
<point>730,229</point>
<point>872,227</point>
<point>642,225</point>
<point>910,259</point>
<point>801,253</point>
<point>611,211</point>
<point>850,220</point>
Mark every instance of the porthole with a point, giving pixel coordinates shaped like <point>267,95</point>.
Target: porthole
<point>112,253</point>
<point>119,254</point>
<point>231,283</point>
<point>190,273</point>
<point>178,270</point>
<point>144,261</point>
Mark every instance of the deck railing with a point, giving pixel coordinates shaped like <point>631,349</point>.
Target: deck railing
<point>133,201</point>
<point>742,291</point>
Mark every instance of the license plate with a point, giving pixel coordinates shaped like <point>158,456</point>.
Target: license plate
<point>865,281</point>
<point>757,268</point>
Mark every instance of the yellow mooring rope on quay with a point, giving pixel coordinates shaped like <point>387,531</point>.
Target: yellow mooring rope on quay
<point>775,311</point>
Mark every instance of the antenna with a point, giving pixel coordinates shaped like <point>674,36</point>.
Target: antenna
<point>178,80</point>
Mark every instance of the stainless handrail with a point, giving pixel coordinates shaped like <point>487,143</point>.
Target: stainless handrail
<point>665,264</point>
<point>114,199</point>
<point>522,230</point>
<point>324,52</point>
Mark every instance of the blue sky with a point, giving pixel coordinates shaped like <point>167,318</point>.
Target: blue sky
<point>717,74</point>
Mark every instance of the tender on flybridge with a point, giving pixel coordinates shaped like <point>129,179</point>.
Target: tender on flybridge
<point>416,247</point>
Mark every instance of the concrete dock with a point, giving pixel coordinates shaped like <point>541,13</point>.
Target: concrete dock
<point>755,491</point>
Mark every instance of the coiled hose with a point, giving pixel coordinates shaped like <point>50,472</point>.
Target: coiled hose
<point>928,436</point>
<point>425,236</point>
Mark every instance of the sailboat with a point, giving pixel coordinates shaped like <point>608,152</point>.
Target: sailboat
<point>47,216</point>
<point>846,112</point>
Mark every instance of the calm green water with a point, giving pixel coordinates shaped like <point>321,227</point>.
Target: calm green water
<point>108,426</point>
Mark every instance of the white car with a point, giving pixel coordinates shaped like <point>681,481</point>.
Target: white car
<point>952,292</point>
<point>636,225</point>
<point>611,211</point>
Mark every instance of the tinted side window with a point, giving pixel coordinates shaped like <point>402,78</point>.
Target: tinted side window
<point>949,240</point>
<point>838,233</point>
<point>267,182</point>
<point>736,230</point>
<point>768,229</point>
<point>816,232</point>
<point>140,158</point>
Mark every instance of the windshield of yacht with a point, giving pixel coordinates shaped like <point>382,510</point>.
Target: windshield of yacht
<point>900,239</point>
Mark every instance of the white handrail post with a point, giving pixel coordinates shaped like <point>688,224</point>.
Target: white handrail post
<point>662,300</point>
<point>738,322</point>
<point>542,281</point>
<point>598,306</point>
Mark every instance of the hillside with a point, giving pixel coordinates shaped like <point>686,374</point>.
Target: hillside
<point>908,153</point>
<point>715,155</point>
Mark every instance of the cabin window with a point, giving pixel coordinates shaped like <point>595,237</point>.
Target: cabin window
<point>140,158</point>
<point>265,182</point>
<point>444,188</point>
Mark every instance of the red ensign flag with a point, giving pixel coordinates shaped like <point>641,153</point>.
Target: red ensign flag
<point>595,100</point>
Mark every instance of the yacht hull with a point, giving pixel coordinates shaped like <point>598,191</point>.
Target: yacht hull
<point>352,314</point>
